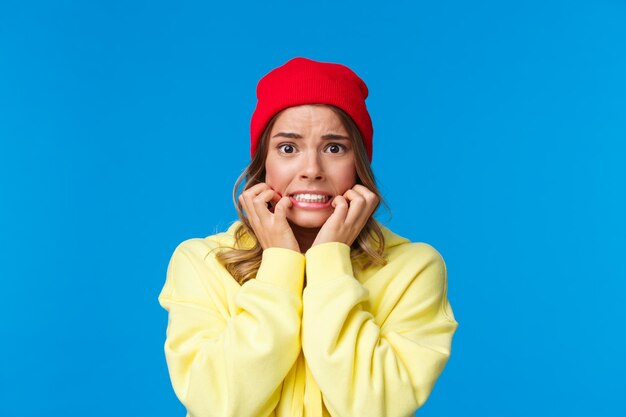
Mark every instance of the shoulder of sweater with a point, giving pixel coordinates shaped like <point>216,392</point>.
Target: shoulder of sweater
<point>202,247</point>
<point>396,245</point>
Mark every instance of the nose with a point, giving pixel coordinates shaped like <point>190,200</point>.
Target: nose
<point>312,167</point>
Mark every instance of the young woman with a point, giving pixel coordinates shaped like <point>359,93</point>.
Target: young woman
<point>307,306</point>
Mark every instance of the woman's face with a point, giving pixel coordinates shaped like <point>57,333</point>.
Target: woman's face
<point>310,159</point>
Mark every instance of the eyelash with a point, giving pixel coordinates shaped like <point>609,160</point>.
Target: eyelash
<point>342,148</point>
<point>280,147</point>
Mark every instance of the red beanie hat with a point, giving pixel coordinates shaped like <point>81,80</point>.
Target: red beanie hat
<point>303,81</point>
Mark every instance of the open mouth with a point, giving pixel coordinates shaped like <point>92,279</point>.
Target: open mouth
<point>311,198</point>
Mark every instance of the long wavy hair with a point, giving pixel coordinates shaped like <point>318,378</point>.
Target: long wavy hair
<point>243,260</point>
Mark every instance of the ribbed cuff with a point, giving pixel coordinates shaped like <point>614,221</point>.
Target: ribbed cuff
<point>283,267</point>
<point>327,261</point>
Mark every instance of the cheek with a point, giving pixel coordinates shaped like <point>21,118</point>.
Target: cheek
<point>347,178</point>
<point>276,176</point>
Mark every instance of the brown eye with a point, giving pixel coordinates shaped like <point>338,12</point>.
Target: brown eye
<point>286,148</point>
<point>335,148</point>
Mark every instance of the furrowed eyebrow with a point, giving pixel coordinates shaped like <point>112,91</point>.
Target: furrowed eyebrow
<point>287,135</point>
<point>290,135</point>
<point>332,136</point>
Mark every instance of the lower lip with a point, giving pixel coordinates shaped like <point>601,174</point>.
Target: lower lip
<point>310,206</point>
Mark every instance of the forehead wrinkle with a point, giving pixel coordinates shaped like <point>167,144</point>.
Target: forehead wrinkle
<point>296,136</point>
<point>309,119</point>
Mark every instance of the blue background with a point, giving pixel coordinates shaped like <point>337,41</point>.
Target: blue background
<point>499,139</point>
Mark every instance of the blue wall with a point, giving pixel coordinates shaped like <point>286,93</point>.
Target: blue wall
<point>499,139</point>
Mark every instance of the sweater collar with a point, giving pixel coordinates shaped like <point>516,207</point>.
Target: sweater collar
<point>391,238</point>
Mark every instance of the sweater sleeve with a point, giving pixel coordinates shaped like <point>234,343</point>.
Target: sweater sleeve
<point>222,354</point>
<point>383,365</point>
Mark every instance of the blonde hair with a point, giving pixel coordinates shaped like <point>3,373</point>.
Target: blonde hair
<point>244,259</point>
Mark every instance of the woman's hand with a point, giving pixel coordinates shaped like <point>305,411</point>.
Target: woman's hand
<point>352,211</point>
<point>271,228</point>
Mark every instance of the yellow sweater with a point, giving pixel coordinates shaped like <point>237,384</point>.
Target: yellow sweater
<point>355,342</point>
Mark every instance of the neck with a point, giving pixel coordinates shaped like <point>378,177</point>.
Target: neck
<point>304,236</point>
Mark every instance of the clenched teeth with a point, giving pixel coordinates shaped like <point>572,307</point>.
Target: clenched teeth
<point>311,198</point>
